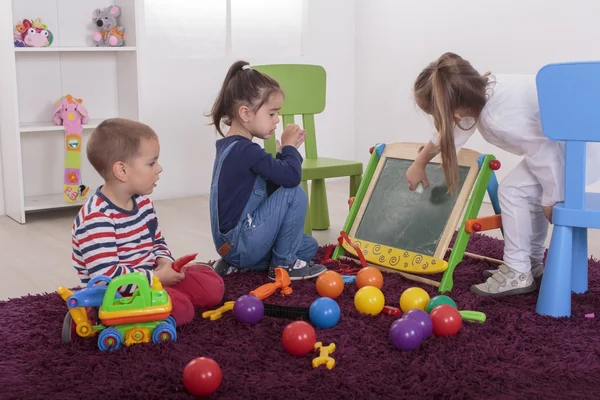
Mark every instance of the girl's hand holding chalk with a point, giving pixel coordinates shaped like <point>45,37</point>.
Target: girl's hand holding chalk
<point>419,188</point>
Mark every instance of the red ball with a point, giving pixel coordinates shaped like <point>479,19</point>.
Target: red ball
<point>299,338</point>
<point>446,320</point>
<point>495,165</point>
<point>202,376</point>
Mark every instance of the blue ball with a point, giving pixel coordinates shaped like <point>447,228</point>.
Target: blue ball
<point>324,312</point>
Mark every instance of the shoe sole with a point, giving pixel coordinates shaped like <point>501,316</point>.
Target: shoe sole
<point>512,292</point>
<point>301,278</point>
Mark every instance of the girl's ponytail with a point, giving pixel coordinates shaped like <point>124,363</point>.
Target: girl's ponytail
<point>444,122</point>
<point>219,109</point>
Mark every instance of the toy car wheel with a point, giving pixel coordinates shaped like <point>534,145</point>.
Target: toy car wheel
<point>68,329</point>
<point>110,339</point>
<point>164,333</point>
<point>171,321</point>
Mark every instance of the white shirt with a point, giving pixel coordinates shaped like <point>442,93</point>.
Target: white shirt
<point>510,120</point>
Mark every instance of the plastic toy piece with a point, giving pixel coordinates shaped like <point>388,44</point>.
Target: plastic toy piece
<point>294,313</point>
<point>483,224</point>
<point>495,165</point>
<point>282,281</point>
<point>349,279</point>
<point>183,261</point>
<point>473,316</point>
<point>591,315</point>
<point>324,357</point>
<point>218,313</point>
<point>391,311</point>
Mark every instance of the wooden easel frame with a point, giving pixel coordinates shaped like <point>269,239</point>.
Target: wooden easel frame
<point>479,178</point>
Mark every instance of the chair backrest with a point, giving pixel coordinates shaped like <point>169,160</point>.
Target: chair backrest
<point>304,88</point>
<point>569,100</point>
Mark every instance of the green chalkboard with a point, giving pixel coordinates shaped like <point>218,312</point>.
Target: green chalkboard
<point>398,217</point>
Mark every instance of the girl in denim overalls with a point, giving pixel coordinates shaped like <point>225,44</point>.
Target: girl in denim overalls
<point>257,207</point>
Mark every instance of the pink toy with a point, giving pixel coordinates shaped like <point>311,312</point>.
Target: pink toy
<point>70,113</point>
<point>32,34</point>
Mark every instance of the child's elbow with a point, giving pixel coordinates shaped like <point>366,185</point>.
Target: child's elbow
<point>293,181</point>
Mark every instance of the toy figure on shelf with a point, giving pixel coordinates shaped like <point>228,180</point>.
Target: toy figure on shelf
<point>109,32</point>
<point>32,34</point>
<point>72,115</point>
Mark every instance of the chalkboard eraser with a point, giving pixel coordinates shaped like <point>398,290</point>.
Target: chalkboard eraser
<point>419,188</point>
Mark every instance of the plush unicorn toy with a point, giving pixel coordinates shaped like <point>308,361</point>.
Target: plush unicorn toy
<point>70,113</point>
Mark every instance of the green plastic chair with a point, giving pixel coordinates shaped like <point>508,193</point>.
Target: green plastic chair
<point>304,87</point>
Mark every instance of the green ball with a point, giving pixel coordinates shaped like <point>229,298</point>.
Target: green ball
<point>439,300</point>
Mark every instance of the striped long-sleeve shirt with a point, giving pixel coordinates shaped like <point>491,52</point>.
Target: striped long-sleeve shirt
<point>108,240</point>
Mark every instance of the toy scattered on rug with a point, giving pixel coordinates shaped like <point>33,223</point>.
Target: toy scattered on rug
<point>70,113</point>
<point>32,34</point>
<point>324,355</point>
<point>144,316</point>
<point>120,320</point>
<point>109,33</point>
<point>202,376</point>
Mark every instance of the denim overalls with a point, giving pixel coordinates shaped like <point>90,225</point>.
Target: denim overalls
<point>270,230</point>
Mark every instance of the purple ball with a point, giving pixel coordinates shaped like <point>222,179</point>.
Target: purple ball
<point>423,319</point>
<point>406,334</point>
<point>248,309</point>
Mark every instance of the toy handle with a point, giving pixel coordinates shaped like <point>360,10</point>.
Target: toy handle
<point>183,261</point>
<point>473,316</point>
<point>96,279</point>
<point>265,290</point>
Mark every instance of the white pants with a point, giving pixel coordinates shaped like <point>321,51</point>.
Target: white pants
<point>525,226</point>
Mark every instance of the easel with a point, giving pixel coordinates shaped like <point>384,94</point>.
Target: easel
<point>485,182</point>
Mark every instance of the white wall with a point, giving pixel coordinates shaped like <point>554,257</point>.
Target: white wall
<point>396,40</point>
<point>177,89</point>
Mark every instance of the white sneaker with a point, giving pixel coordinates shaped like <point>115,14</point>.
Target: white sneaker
<point>505,282</point>
<point>537,270</point>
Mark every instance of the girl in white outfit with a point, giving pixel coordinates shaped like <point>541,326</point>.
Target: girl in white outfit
<point>505,110</point>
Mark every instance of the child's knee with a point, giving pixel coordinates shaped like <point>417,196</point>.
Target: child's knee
<point>183,310</point>
<point>298,195</point>
<point>203,286</point>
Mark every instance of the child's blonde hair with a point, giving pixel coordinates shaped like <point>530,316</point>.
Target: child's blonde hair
<point>116,139</point>
<point>445,86</point>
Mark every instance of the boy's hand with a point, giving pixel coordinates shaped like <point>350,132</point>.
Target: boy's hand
<point>415,174</point>
<point>162,262</point>
<point>293,136</point>
<point>166,274</point>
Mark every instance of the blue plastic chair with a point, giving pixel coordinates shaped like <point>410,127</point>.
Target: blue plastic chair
<point>569,99</point>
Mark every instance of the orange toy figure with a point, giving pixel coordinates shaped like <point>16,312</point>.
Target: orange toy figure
<point>282,281</point>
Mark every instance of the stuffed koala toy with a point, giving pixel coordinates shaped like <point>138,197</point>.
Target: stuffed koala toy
<point>109,32</point>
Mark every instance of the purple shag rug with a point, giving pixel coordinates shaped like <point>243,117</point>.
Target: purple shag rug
<point>514,354</point>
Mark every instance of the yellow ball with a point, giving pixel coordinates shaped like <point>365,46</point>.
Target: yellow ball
<point>414,298</point>
<point>369,300</point>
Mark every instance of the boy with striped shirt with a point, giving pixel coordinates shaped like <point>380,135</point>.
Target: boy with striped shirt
<point>116,232</point>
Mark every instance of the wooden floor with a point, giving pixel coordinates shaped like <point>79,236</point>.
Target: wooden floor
<point>36,256</point>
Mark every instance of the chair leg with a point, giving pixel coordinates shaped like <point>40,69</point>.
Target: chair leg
<point>307,226</point>
<point>555,294</point>
<point>354,184</point>
<point>579,278</point>
<point>319,213</point>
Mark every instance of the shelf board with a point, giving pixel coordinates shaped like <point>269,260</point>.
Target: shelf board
<point>54,49</point>
<point>49,202</point>
<point>48,126</point>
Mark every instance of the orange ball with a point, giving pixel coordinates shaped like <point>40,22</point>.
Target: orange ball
<point>330,284</point>
<point>369,276</point>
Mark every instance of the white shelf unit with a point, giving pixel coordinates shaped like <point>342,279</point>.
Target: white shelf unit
<point>32,79</point>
